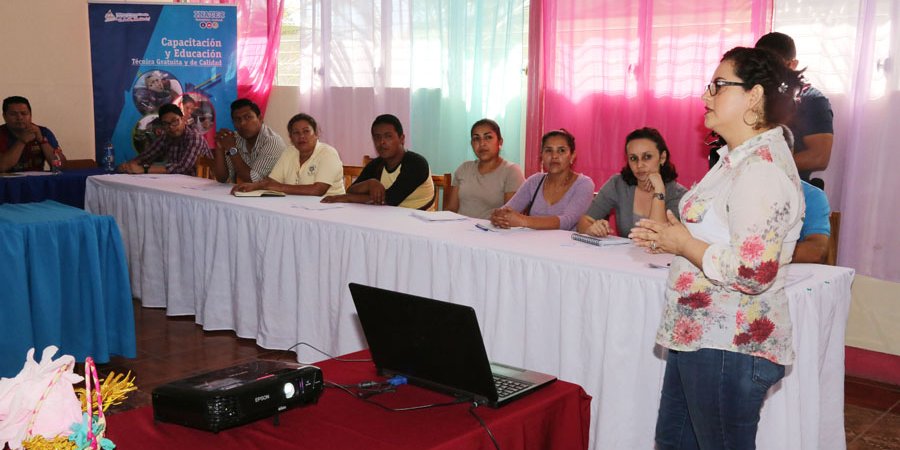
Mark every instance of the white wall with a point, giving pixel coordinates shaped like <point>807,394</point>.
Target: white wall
<point>284,102</point>
<point>46,58</point>
<point>874,315</point>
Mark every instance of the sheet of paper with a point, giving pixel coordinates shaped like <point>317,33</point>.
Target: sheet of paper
<point>486,226</point>
<point>438,216</point>
<point>319,206</point>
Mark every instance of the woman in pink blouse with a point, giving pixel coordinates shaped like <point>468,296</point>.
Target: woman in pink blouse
<point>726,323</point>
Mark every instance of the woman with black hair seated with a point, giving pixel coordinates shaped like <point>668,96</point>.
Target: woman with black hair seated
<point>552,200</point>
<point>645,188</point>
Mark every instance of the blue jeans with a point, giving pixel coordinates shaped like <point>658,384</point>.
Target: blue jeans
<point>711,399</point>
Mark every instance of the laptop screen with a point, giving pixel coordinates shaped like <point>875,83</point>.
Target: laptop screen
<point>433,343</point>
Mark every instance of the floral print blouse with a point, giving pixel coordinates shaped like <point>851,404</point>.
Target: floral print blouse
<point>749,209</point>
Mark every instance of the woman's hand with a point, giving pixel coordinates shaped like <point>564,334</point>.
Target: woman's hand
<point>499,219</point>
<point>247,187</point>
<point>507,218</point>
<point>341,198</point>
<point>658,237</point>
<point>656,183</point>
<point>653,183</point>
<point>599,228</point>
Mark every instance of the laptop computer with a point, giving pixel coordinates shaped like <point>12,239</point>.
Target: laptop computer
<point>437,345</point>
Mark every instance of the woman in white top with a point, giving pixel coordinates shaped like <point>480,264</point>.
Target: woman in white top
<point>309,168</point>
<point>480,186</point>
<point>727,324</point>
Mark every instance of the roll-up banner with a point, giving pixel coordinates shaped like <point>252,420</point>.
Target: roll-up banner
<point>144,56</point>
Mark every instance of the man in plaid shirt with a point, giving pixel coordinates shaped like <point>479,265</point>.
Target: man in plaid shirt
<point>177,149</point>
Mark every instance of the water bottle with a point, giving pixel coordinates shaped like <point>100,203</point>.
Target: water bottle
<point>109,158</point>
<point>56,162</point>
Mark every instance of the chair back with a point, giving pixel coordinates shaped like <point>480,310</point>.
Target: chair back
<point>350,174</point>
<point>835,220</point>
<point>441,184</point>
<point>205,168</point>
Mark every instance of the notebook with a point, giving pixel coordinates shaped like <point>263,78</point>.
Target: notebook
<point>437,345</point>
<point>600,241</point>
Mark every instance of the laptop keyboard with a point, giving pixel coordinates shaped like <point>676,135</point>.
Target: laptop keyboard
<point>508,386</point>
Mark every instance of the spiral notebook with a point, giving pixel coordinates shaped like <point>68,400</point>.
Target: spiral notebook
<point>600,241</point>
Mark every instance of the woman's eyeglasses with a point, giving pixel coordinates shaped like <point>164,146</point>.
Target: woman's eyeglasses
<point>713,88</point>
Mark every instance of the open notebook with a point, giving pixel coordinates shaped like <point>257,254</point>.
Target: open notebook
<point>437,345</point>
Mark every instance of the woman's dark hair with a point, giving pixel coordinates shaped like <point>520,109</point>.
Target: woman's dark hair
<point>491,124</point>
<point>570,140</point>
<point>303,116</point>
<point>781,84</point>
<point>667,171</point>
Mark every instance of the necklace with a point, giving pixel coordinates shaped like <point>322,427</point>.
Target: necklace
<point>564,183</point>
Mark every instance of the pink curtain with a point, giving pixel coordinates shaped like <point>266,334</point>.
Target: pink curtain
<point>259,35</point>
<point>602,69</point>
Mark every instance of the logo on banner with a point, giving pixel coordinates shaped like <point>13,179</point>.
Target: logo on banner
<point>209,20</point>
<point>125,17</point>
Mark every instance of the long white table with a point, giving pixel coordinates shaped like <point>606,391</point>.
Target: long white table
<point>273,270</point>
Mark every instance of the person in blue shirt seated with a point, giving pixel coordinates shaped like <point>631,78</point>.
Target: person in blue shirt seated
<point>25,146</point>
<point>813,244</point>
<point>812,247</point>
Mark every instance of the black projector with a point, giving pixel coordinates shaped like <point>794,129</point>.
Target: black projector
<point>237,395</point>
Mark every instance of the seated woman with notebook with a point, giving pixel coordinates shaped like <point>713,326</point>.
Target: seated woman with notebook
<point>645,188</point>
<point>487,183</point>
<point>311,167</point>
<point>551,200</point>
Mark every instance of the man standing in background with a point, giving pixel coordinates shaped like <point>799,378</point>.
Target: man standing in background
<point>812,123</point>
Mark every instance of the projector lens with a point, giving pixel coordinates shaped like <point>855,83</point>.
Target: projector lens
<point>289,390</point>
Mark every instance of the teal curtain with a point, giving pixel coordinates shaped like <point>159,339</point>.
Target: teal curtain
<point>467,62</point>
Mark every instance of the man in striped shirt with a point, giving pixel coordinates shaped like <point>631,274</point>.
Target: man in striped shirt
<point>250,151</point>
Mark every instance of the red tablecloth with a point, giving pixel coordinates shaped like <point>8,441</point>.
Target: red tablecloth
<point>555,417</point>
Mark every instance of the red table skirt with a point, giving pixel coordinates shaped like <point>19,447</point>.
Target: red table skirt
<point>555,417</point>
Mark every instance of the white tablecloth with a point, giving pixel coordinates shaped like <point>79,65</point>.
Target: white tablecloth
<point>272,270</point>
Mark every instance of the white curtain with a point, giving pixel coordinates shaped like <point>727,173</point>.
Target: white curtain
<point>437,65</point>
<point>852,51</point>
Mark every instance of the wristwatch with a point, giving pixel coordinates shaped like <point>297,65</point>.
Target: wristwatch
<point>232,151</point>
<point>659,195</point>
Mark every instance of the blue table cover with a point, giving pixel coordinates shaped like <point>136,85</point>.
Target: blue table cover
<point>66,187</point>
<point>63,281</point>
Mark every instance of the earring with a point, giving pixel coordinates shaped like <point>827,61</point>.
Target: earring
<point>751,123</point>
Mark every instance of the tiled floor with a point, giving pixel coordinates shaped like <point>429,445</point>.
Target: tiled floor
<point>170,348</point>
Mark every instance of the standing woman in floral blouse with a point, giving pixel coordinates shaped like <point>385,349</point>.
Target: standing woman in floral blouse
<point>726,323</point>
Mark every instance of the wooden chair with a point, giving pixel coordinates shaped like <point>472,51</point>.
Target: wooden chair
<point>831,256</point>
<point>350,174</point>
<point>76,164</point>
<point>205,168</point>
<point>441,184</point>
